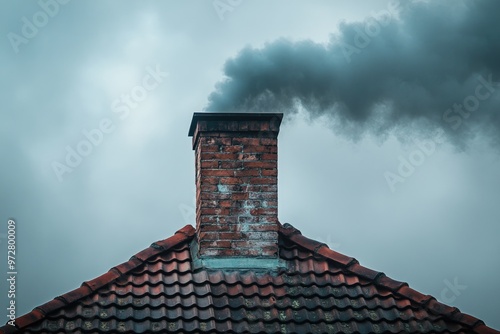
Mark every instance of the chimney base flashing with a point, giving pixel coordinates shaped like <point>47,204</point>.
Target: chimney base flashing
<point>234,262</point>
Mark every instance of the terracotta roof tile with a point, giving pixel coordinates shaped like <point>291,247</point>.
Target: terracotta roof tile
<point>76,294</point>
<point>102,280</point>
<point>48,307</point>
<point>319,291</point>
<point>391,284</point>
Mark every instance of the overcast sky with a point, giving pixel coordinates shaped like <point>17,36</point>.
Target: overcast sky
<point>389,151</point>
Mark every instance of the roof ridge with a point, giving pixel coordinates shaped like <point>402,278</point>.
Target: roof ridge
<point>88,287</point>
<point>428,302</point>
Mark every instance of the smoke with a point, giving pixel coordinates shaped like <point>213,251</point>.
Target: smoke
<point>413,66</point>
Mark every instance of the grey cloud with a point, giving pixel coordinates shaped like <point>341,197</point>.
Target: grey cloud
<point>402,70</point>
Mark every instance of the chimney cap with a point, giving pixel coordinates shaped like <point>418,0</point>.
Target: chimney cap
<point>231,116</point>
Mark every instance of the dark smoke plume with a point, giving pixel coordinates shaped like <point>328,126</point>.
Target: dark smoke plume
<point>412,66</point>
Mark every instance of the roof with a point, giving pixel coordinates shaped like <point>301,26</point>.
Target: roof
<point>319,291</point>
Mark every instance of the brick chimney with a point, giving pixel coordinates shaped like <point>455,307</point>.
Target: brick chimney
<point>236,189</point>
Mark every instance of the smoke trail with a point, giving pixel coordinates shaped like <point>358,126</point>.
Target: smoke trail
<point>424,66</point>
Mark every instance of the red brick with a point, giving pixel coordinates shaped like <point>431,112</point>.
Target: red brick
<point>249,219</point>
<point>263,195</point>
<point>209,180</point>
<point>254,244</point>
<point>215,196</point>
<point>264,180</point>
<point>217,172</point>
<point>267,235</point>
<point>231,164</point>
<point>246,141</point>
<point>255,149</point>
<point>229,235</point>
<point>252,188</point>
<point>215,244</point>
<point>215,219</point>
<point>269,172</point>
<point>269,156</point>
<point>240,211</point>
<point>210,148</point>
<point>230,180</point>
<point>269,141</point>
<point>263,211</point>
<point>218,156</point>
<point>272,188</point>
<point>209,188</point>
<point>208,235</point>
<point>235,188</point>
<point>262,228</point>
<point>259,164</point>
<point>209,164</point>
<point>247,172</point>
<point>239,196</point>
<point>209,203</point>
<point>218,252</point>
<point>209,252</point>
<point>214,211</point>
<point>211,227</point>
<point>216,141</point>
<point>248,156</point>
<point>232,148</point>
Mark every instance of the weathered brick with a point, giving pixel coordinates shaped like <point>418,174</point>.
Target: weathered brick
<point>263,211</point>
<point>209,180</point>
<point>229,235</point>
<point>264,180</point>
<point>216,219</point>
<point>269,172</point>
<point>259,164</point>
<point>218,172</point>
<point>246,141</point>
<point>247,172</point>
<point>209,164</point>
<point>208,188</point>
<point>269,156</point>
<point>231,164</point>
<point>216,141</point>
<point>214,211</point>
<point>216,244</point>
<point>256,149</point>
<point>209,203</point>
<point>210,148</point>
<point>215,196</point>
<point>267,235</point>
<point>218,156</point>
<point>239,196</point>
<point>230,180</point>
<point>269,188</point>
<point>262,228</point>
<point>208,235</point>
<point>268,141</point>
<point>232,148</point>
<point>248,156</point>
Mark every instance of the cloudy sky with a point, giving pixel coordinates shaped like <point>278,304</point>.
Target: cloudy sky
<point>389,151</point>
